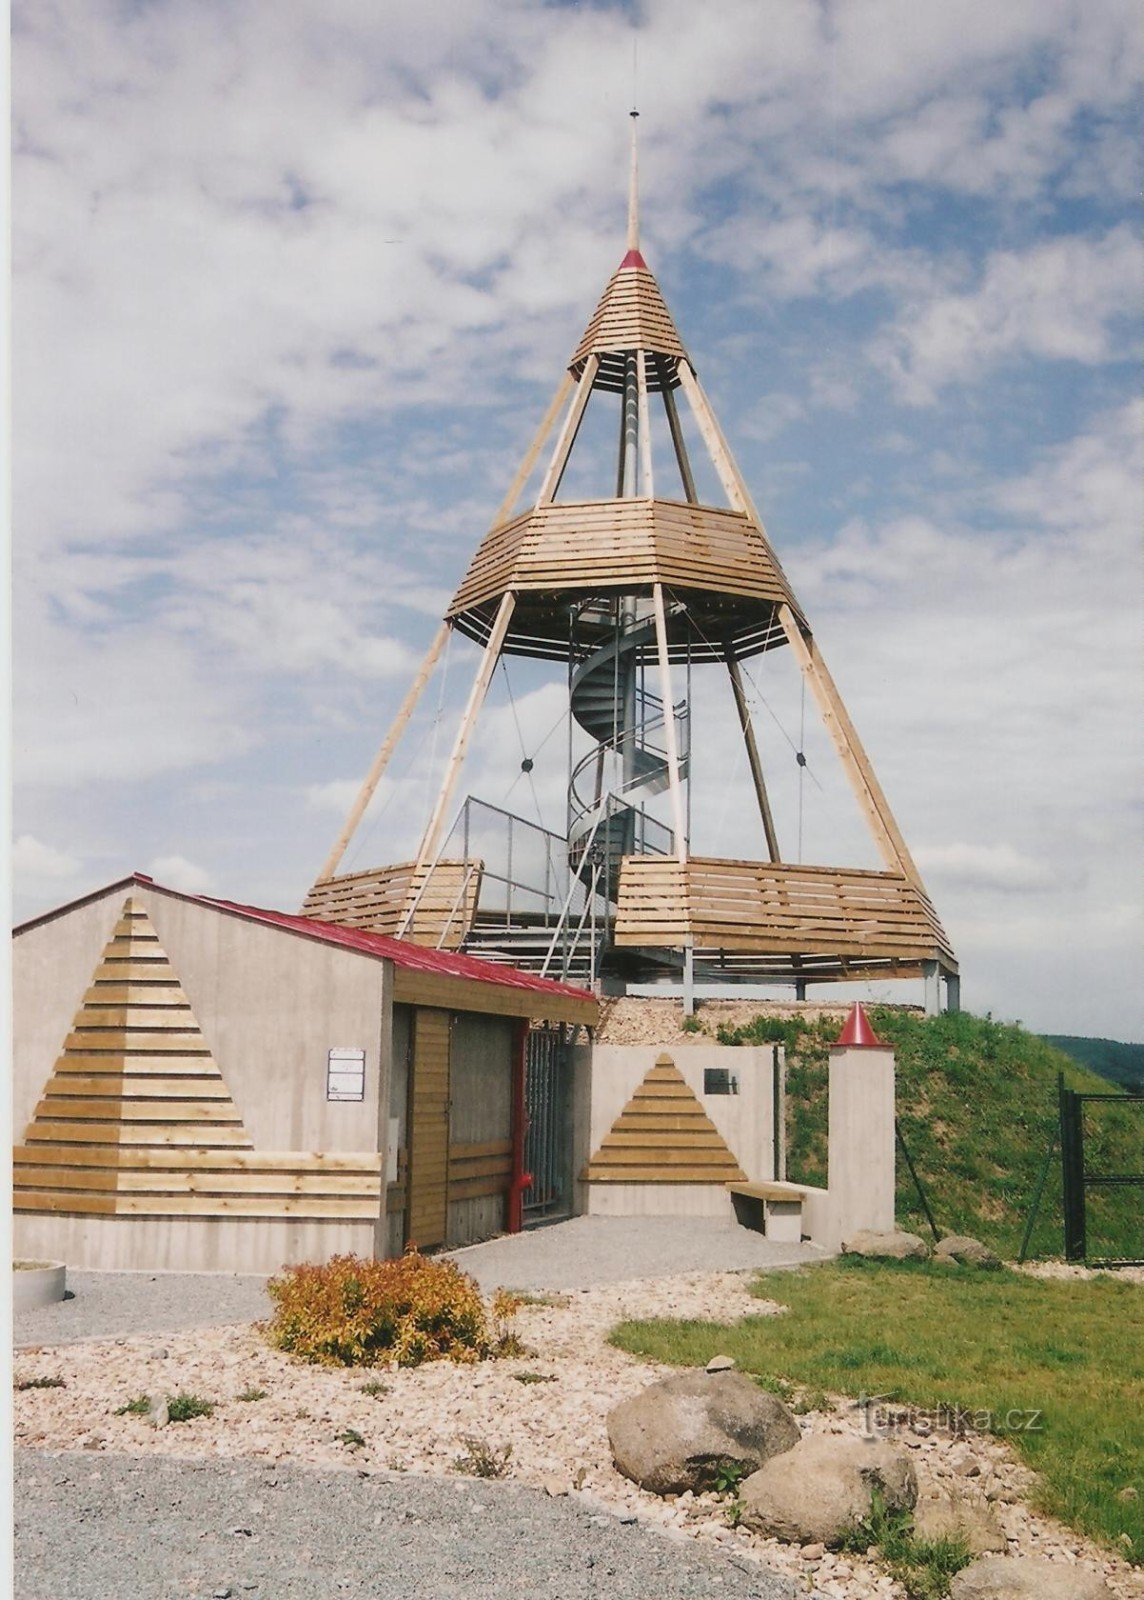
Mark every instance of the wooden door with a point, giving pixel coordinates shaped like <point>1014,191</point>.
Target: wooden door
<point>429,1128</point>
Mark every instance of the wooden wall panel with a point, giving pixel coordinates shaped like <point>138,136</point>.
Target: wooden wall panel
<point>429,1128</point>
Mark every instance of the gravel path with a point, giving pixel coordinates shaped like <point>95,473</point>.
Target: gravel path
<point>587,1251</point>
<point>106,1528</point>
<point>113,1305</point>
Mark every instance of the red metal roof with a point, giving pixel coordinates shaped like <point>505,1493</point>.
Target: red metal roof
<point>401,952</point>
<point>633,259</point>
<point>857,1034</point>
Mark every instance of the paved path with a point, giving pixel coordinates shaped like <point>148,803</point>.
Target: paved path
<point>590,1250</point>
<point>566,1255</point>
<point>115,1528</point>
<point>116,1305</point>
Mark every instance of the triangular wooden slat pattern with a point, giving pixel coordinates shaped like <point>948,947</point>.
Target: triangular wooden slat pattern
<point>136,1119</point>
<point>157,1079</point>
<point>663,1135</point>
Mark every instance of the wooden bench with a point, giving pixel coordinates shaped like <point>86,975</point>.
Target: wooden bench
<point>771,1208</point>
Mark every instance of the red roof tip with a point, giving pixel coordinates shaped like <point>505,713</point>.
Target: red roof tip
<point>857,1033</point>
<point>633,259</point>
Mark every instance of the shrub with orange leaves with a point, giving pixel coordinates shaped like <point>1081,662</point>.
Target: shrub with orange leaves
<point>352,1312</point>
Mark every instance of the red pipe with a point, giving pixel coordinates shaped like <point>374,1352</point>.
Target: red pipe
<point>521,1180</point>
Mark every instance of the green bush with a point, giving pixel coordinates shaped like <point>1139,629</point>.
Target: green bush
<point>351,1312</point>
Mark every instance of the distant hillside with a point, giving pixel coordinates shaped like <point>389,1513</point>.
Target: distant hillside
<point>1119,1063</point>
<point>977,1103</point>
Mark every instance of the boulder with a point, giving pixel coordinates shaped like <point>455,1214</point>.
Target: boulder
<point>896,1246</point>
<point>676,1434</point>
<point>951,1516</point>
<point>1023,1578</point>
<point>965,1252</point>
<point>817,1492</point>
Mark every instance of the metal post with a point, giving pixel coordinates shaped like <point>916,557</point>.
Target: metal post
<point>1072,1171</point>
<point>688,981</point>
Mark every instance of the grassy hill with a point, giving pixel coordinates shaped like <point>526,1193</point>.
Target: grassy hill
<point>1121,1064</point>
<point>977,1103</point>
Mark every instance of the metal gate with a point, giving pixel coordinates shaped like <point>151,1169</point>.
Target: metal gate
<point>548,1128</point>
<point>1079,1178</point>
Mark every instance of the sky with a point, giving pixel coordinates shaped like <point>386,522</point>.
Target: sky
<point>293,283</point>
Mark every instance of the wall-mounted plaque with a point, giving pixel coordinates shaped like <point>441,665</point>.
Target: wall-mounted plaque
<point>345,1074</point>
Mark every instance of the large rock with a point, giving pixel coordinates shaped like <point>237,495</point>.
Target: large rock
<point>896,1246</point>
<point>952,1516</point>
<point>1022,1578</point>
<point>678,1433</point>
<point>817,1492</point>
<point>965,1252</point>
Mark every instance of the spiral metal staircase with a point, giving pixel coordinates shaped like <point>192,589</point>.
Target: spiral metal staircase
<point>608,820</point>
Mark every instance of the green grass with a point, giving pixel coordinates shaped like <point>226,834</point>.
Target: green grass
<point>1058,1365</point>
<point>924,1567</point>
<point>186,1407</point>
<point>977,1103</point>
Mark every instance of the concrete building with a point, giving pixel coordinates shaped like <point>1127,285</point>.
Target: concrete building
<point>208,1086</point>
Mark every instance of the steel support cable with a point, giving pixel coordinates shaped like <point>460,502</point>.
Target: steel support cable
<point>525,757</point>
<point>762,699</point>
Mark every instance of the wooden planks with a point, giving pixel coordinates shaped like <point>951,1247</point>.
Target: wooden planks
<point>631,315</point>
<point>477,1170</point>
<point>442,898</point>
<point>429,1128</point>
<point>663,1135</point>
<point>772,908</point>
<point>617,544</point>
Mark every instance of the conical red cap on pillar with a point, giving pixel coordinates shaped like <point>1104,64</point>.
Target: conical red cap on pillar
<point>858,1034</point>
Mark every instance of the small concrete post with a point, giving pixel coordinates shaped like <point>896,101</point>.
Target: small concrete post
<point>861,1147</point>
<point>931,976</point>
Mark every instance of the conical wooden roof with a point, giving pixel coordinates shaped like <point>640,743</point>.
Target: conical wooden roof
<point>632,315</point>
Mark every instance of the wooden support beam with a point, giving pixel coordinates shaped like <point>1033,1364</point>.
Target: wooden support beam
<point>508,504</point>
<point>669,725</point>
<point>382,759</point>
<point>721,458</point>
<point>756,764</point>
<point>679,443</point>
<point>568,433</point>
<point>464,732</point>
<point>866,787</point>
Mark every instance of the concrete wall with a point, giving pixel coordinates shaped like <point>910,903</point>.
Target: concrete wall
<point>52,966</point>
<point>270,1006</point>
<point>606,1076</point>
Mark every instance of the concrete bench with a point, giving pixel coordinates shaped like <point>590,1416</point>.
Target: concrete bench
<point>771,1208</point>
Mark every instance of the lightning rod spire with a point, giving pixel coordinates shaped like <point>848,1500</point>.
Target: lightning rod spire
<point>634,191</point>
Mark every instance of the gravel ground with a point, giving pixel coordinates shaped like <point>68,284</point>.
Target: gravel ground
<point>112,1305</point>
<point>587,1251</point>
<point>113,1527</point>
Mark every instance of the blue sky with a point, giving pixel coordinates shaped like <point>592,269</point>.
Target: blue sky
<point>293,284</point>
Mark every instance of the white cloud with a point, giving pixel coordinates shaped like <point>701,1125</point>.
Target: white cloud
<point>977,867</point>
<point>33,859</point>
<point>176,872</point>
<point>1064,299</point>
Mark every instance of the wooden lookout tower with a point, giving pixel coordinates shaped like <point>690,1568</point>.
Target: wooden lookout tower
<point>628,594</point>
